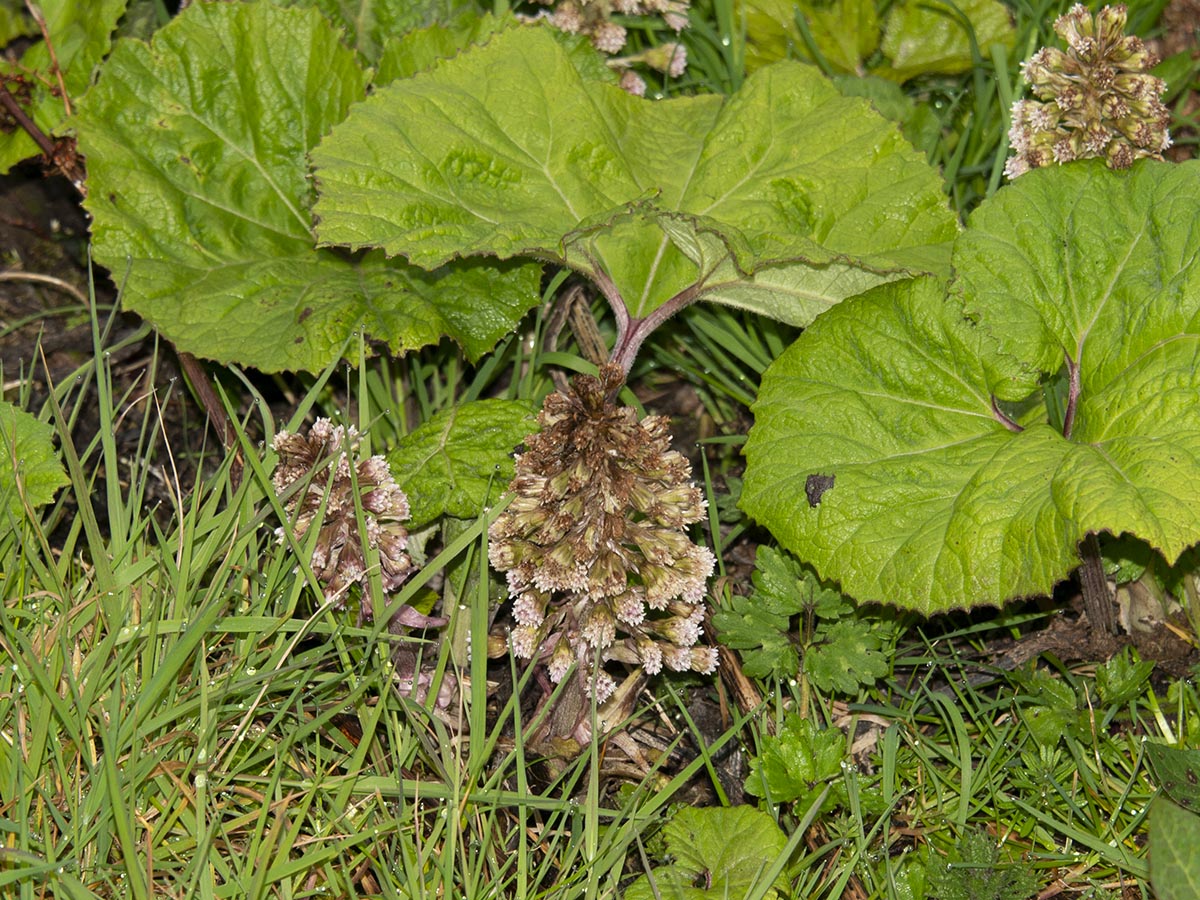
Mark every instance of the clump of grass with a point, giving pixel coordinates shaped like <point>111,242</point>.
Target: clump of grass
<point>184,714</point>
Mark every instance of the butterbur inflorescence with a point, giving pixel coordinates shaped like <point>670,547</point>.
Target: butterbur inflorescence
<point>1096,99</point>
<point>594,18</point>
<point>599,565</point>
<point>325,456</point>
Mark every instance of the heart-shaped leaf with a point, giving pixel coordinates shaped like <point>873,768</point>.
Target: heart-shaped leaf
<point>207,222</point>
<point>939,497</point>
<point>508,150</point>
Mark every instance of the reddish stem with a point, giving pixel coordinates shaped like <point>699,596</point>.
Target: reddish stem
<point>630,338</point>
<point>10,104</point>
<point>1003,419</point>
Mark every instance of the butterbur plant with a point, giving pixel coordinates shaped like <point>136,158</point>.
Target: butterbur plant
<point>1096,99</point>
<point>939,450</point>
<point>520,150</point>
<point>207,217</point>
<point>321,475</point>
<point>598,561</point>
<point>510,149</point>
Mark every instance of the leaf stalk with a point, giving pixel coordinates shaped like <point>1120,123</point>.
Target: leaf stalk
<point>1072,397</point>
<point>1097,598</point>
<point>1004,419</point>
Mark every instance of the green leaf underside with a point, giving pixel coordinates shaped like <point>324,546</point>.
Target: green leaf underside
<point>208,224</point>
<point>508,150</point>
<point>30,462</point>
<point>460,461</point>
<point>717,853</point>
<point>81,34</point>
<point>936,505</point>
<point>1174,862</point>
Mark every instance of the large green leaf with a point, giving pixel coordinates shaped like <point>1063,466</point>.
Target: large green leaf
<point>461,459</point>
<point>81,37</point>
<point>507,150</point>
<point>929,499</point>
<point>844,32</point>
<point>718,853</point>
<point>936,36</point>
<point>1085,263</point>
<point>206,221</point>
<point>29,467</point>
<point>920,37</point>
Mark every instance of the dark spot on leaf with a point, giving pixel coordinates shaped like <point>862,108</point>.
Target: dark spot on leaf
<point>1191,777</point>
<point>112,198</point>
<point>305,313</point>
<point>815,487</point>
<point>387,284</point>
<point>299,339</point>
<point>186,160</point>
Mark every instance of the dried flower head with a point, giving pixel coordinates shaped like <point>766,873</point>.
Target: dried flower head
<point>633,83</point>
<point>324,457</point>
<point>594,18</point>
<point>593,543</point>
<point>1096,99</point>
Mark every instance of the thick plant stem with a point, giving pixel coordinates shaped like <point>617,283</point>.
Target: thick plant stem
<point>1097,598</point>
<point>631,332</point>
